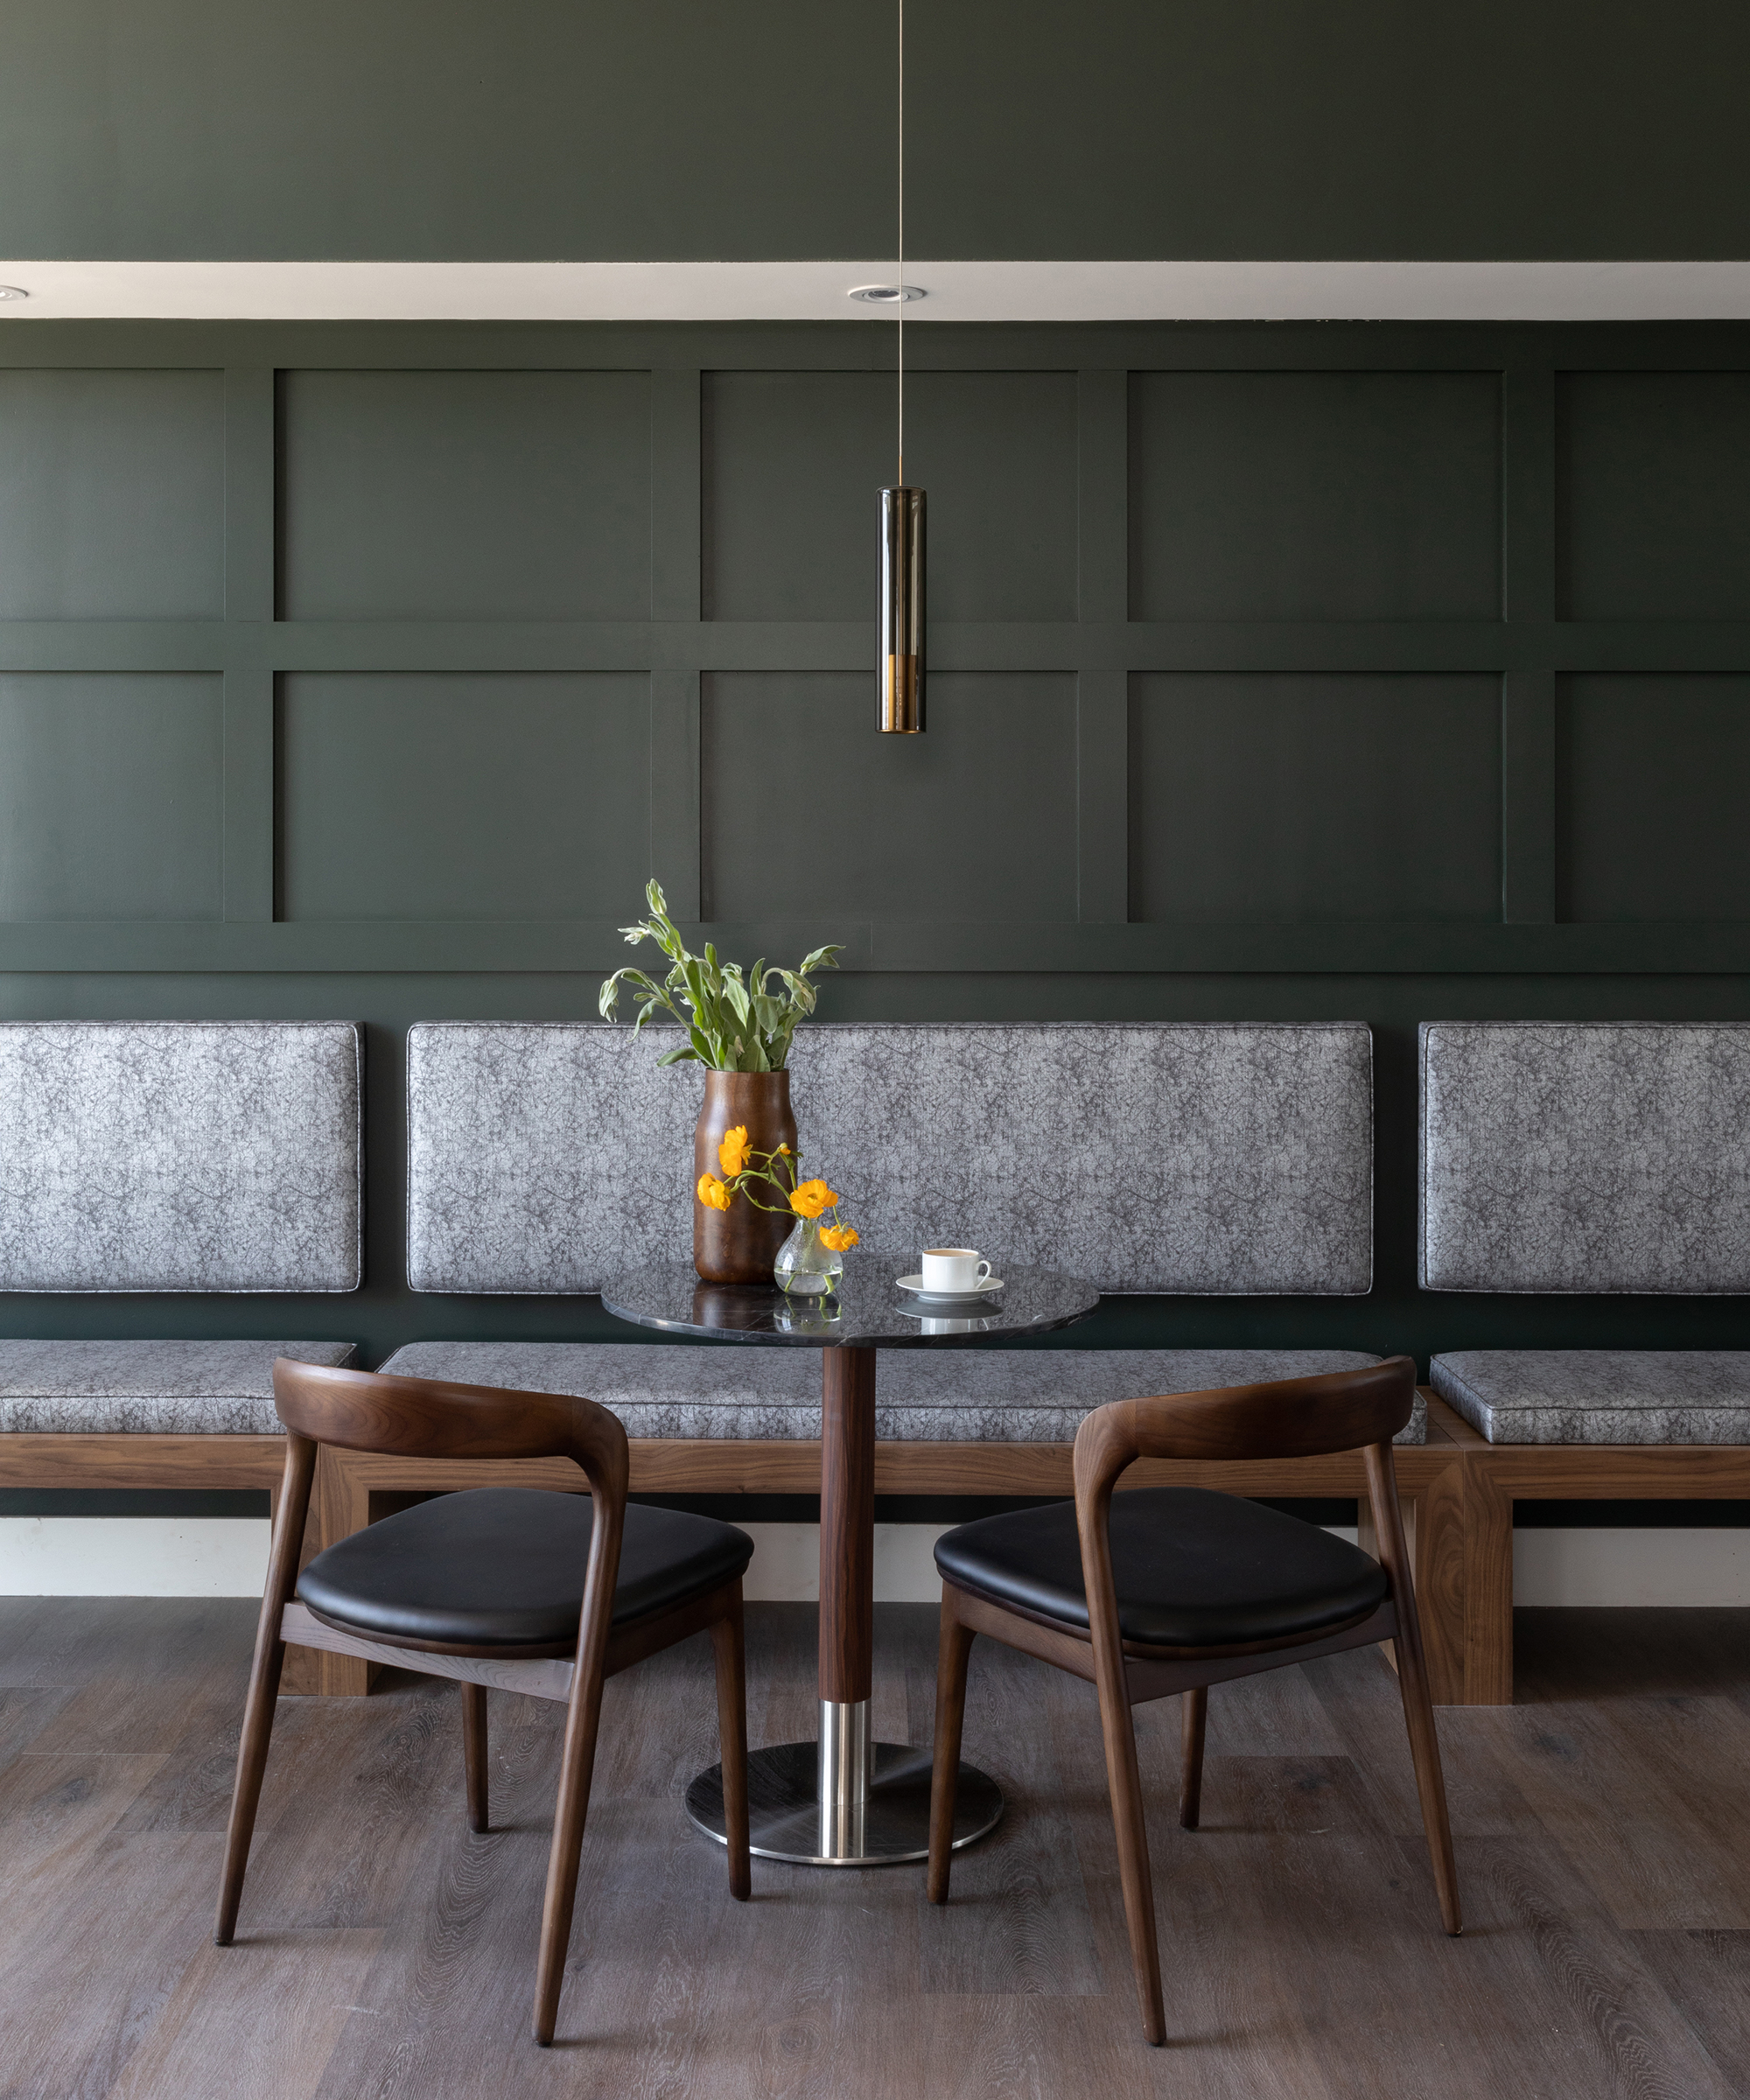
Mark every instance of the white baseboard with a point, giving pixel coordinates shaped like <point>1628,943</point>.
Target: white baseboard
<point>133,1555</point>
<point>227,1556</point>
<point>1600,1567</point>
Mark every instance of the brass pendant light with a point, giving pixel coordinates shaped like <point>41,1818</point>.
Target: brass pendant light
<point>900,616</point>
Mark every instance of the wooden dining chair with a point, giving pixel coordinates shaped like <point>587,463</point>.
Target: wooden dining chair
<point>1175,1589</point>
<point>525,1589</point>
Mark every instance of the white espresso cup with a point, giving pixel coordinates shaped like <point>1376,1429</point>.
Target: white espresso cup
<point>950,1269</point>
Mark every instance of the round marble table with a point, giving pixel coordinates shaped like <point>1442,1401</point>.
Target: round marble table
<point>843,1800</point>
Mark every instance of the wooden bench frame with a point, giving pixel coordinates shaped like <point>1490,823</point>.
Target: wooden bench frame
<point>1497,1475</point>
<point>32,1458</point>
<point>1430,1480</point>
<point>1458,1489</point>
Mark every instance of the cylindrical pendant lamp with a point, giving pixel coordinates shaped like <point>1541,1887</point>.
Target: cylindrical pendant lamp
<point>901,612</point>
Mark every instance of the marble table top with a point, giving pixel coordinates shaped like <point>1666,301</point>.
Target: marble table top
<point>869,1310</point>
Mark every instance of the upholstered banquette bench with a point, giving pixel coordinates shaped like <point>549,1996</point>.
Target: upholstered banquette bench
<point>1193,1159</point>
<point>1603,1159</point>
<point>143,1157</point>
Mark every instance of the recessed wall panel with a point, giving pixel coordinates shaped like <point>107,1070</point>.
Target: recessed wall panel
<point>111,796</point>
<point>1651,777</point>
<point>793,461</point>
<point>112,495</point>
<point>464,495</point>
<point>808,811</point>
<point>1315,496</point>
<point>1314,797</point>
<point>1653,481</point>
<point>463,796</point>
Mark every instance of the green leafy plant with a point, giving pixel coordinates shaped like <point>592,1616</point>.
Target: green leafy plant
<point>734,1022</point>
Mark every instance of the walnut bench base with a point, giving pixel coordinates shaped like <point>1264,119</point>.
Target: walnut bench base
<point>1457,1490</point>
<point>1429,1478</point>
<point>1497,1475</point>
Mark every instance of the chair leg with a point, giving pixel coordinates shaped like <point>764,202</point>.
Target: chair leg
<point>953,1651</point>
<point>1131,1828</point>
<point>1195,1703</point>
<point>264,1671</point>
<point>582,1720</point>
<point>252,1762</point>
<point>474,1752</point>
<point>1431,1786</point>
<point>731,1735</point>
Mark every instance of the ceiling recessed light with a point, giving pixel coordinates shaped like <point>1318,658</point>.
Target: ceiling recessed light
<point>887,295</point>
<point>13,291</point>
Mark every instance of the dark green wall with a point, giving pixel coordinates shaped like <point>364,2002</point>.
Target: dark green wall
<point>1387,674</point>
<point>682,128</point>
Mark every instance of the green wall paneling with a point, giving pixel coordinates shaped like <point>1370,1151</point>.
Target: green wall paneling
<point>449,795</point>
<point>1301,798</point>
<point>112,495</point>
<point>1655,482</point>
<point>1652,777</point>
<point>1332,746</point>
<point>464,495</point>
<point>803,804</point>
<point>1315,496</point>
<point>111,796</point>
<point>792,460</point>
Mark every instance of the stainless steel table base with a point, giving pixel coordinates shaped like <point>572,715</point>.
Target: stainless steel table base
<point>843,1800</point>
<point>784,1817</point>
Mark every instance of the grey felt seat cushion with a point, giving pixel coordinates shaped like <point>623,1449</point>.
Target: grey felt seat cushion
<point>208,1155</point>
<point>1590,1157</point>
<point>180,1388</point>
<point>1600,1395</point>
<point>942,1396</point>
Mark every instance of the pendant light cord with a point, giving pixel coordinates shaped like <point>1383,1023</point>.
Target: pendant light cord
<point>902,242</point>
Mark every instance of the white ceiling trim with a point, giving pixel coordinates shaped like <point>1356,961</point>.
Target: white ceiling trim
<point>812,291</point>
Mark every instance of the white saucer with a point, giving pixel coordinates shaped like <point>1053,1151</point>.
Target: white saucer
<point>915,1285</point>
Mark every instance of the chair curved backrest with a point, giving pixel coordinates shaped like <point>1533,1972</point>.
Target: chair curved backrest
<point>1291,1418</point>
<point>426,1417</point>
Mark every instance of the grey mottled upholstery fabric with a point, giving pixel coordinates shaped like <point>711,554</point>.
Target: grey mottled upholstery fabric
<point>166,1388</point>
<point>1586,1157</point>
<point>180,1156</point>
<point>922,1396</point>
<point>1213,1159</point>
<point>1600,1395</point>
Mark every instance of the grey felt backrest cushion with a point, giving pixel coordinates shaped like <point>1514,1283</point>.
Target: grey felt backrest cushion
<point>180,1156</point>
<point>1586,1156</point>
<point>1177,1158</point>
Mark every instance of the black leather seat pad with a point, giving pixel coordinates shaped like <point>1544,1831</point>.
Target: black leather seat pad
<point>505,1566</point>
<point>1192,1569</point>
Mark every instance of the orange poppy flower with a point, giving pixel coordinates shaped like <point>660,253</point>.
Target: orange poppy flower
<point>811,1198</point>
<point>732,1154</point>
<point>712,1192</point>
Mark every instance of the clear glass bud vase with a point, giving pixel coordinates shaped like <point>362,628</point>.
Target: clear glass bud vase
<point>806,1268</point>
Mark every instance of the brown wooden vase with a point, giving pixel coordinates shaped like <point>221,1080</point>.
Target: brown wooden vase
<point>739,1245</point>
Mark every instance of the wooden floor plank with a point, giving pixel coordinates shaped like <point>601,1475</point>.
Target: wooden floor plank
<point>52,1811</point>
<point>1707,1975</point>
<point>1639,1794</point>
<point>65,2039</point>
<point>384,1950</point>
<point>255,2022</point>
<point>25,1711</point>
